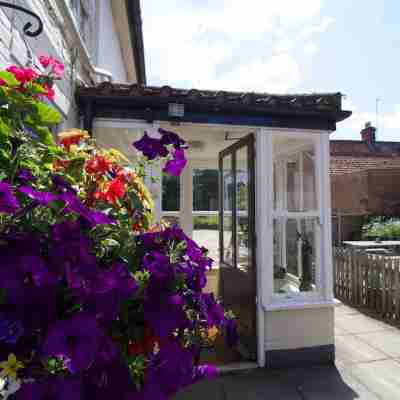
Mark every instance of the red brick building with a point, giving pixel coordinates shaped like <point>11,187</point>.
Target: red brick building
<point>365,177</point>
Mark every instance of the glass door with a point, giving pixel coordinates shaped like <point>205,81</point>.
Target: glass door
<point>237,241</point>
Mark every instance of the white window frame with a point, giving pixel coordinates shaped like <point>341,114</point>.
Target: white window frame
<point>323,295</point>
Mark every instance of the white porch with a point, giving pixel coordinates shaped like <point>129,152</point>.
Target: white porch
<point>293,298</point>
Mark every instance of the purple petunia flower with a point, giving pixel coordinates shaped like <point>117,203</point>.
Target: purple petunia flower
<point>77,340</point>
<point>212,311</point>
<point>61,184</point>
<point>8,202</point>
<point>42,198</point>
<point>168,137</point>
<point>70,249</point>
<point>25,277</point>
<point>205,372</point>
<point>171,369</point>
<point>108,378</point>
<point>24,175</point>
<point>164,313</point>
<point>102,290</point>
<point>92,217</point>
<point>177,164</point>
<point>11,328</point>
<point>151,147</point>
<point>54,388</point>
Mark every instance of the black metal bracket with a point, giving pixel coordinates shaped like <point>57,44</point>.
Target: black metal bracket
<point>27,27</point>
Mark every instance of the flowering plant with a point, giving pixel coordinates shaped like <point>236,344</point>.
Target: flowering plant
<point>95,300</point>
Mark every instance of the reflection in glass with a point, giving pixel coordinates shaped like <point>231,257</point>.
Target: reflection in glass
<point>294,255</point>
<point>309,187</point>
<point>170,220</point>
<point>206,234</point>
<point>227,201</point>
<point>293,185</point>
<point>242,209</point>
<point>205,189</point>
<point>170,193</point>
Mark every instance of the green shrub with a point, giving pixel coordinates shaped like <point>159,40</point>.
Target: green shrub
<point>382,228</point>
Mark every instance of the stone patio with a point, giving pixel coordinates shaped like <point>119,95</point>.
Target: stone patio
<point>367,367</point>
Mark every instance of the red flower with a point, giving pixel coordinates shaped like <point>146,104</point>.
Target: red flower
<point>71,137</point>
<point>113,191</point>
<point>50,91</point>
<point>23,75</point>
<point>135,349</point>
<point>98,165</point>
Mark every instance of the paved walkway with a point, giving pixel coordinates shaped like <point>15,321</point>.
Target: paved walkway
<point>367,367</point>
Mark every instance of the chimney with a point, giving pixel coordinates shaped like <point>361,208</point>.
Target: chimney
<point>368,133</point>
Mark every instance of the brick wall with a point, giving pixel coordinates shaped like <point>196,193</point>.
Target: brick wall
<point>384,191</point>
<point>349,192</point>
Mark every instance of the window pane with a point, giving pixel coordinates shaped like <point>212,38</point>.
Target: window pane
<point>206,234</point>
<point>170,220</point>
<point>170,193</point>
<point>294,174</point>
<point>309,187</point>
<point>294,255</point>
<point>205,189</point>
<point>228,190</point>
<point>242,212</point>
<point>293,184</point>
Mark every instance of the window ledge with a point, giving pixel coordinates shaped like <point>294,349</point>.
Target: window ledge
<point>301,304</point>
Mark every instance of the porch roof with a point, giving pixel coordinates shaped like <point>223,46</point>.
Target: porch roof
<point>111,100</point>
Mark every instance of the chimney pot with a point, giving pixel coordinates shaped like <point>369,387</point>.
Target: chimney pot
<point>368,133</point>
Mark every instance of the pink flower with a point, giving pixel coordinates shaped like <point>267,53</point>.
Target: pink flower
<point>57,68</point>
<point>50,91</point>
<point>45,61</point>
<point>23,75</point>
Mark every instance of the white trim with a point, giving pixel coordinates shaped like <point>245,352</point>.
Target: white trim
<point>118,123</point>
<point>263,250</point>
<point>303,305</point>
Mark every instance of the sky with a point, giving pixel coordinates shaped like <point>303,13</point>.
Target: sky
<point>283,46</point>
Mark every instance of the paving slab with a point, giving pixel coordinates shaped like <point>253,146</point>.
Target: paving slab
<point>359,323</point>
<point>344,309</point>
<point>206,390</point>
<point>340,331</point>
<point>386,341</point>
<point>382,378</point>
<point>330,383</point>
<point>351,349</point>
<point>259,385</point>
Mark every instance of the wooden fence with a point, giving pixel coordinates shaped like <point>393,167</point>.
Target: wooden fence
<point>369,281</point>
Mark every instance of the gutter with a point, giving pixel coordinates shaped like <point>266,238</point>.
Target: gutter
<point>136,32</point>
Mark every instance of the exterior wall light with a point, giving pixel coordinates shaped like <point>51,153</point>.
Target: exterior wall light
<point>176,110</point>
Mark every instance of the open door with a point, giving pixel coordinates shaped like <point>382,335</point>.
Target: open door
<point>237,280</point>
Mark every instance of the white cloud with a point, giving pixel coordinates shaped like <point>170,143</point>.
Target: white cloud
<point>310,48</point>
<point>276,74</point>
<point>387,121</point>
<point>229,44</point>
<point>321,27</point>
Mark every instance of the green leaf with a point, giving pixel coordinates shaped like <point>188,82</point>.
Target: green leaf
<point>9,78</point>
<point>47,115</point>
<point>45,135</point>
<point>5,129</point>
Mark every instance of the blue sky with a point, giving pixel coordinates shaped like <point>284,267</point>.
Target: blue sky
<point>284,46</point>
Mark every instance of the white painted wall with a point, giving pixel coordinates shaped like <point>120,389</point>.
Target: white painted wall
<point>301,328</point>
<point>109,50</point>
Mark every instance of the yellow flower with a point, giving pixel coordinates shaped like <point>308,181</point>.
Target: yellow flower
<point>11,366</point>
<point>117,155</point>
